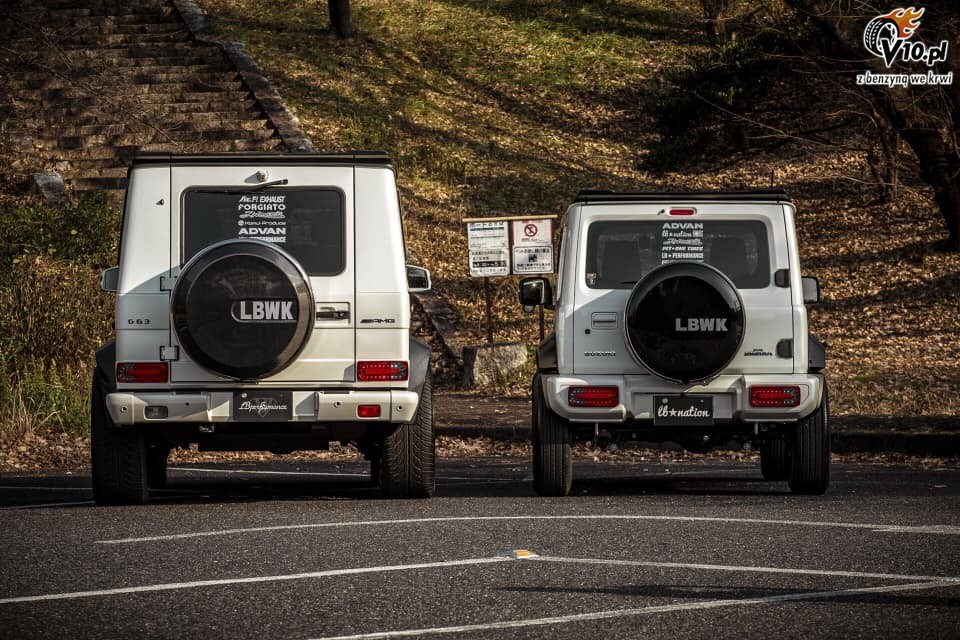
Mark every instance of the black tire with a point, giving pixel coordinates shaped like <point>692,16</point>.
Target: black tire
<point>157,465</point>
<point>810,453</point>
<point>875,31</point>
<point>552,450</point>
<point>775,460</point>
<point>408,454</point>
<point>118,455</point>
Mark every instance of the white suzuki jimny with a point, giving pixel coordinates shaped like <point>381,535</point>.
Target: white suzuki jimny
<point>263,303</point>
<point>680,317</point>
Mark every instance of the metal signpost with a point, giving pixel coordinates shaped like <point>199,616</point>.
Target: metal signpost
<point>513,245</point>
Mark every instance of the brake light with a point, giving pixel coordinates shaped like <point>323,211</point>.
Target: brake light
<point>774,396</point>
<point>689,211</point>
<point>368,411</point>
<point>143,372</point>
<point>593,396</point>
<point>381,371</point>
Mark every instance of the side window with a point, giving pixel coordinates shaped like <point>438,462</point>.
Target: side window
<point>621,252</point>
<point>307,223</point>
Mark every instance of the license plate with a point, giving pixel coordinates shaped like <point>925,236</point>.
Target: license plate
<point>262,405</point>
<point>683,411</point>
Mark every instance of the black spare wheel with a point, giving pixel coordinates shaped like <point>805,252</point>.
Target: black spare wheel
<point>684,321</point>
<point>243,309</point>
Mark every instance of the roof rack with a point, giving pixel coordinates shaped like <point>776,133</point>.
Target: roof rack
<point>754,195</point>
<point>265,157</point>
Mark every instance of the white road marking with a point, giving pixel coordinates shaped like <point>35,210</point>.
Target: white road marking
<point>33,488</point>
<point>923,529</point>
<point>230,581</point>
<point>747,569</point>
<point>318,473</point>
<point>269,473</point>
<point>48,504</point>
<point>622,613</point>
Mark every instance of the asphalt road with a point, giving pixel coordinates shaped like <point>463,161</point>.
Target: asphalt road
<point>692,550</point>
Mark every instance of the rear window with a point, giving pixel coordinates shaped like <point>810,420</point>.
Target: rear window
<point>620,252</point>
<point>307,223</point>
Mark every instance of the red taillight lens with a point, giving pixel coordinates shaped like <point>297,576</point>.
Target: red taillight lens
<point>143,372</point>
<point>381,371</point>
<point>683,212</point>
<point>774,396</point>
<point>368,411</point>
<point>593,396</point>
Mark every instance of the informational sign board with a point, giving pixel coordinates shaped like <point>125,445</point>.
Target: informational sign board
<point>505,246</point>
<point>489,247</point>
<point>533,259</point>
<point>532,246</point>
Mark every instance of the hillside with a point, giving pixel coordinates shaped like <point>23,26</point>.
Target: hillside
<point>496,107</point>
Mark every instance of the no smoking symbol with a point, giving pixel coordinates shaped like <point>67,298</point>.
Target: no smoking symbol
<point>530,230</point>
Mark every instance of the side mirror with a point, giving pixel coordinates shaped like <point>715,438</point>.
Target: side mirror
<point>418,279</point>
<point>110,279</point>
<point>811,289</point>
<point>535,292</point>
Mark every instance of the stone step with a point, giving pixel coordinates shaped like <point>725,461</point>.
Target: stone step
<point>27,81</point>
<point>108,26</point>
<point>47,87</point>
<point>232,121</point>
<point>130,96</point>
<point>91,108</point>
<point>186,112</point>
<point>71,41</point>
<point>110,155</point>
<point>69,10</point>
<point>185,52</point>
<point>145,137</point>
<point>98,184</point>
<point>119,22</point>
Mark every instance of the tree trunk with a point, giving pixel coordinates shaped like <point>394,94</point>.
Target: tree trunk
<point>713,11</point>
<point>939,168</point>
<point>341,19</point>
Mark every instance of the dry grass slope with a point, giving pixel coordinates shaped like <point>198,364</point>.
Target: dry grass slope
<point>499,107</point>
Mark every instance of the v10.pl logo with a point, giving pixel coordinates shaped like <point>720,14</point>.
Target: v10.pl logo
<point>889,37</point>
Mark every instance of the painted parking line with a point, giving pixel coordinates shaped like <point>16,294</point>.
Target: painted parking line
<point>39,488</point>
<point>48,504</point>
<point>268,473</point>
<point>922,529</point>
<point>173,586</point>
<point>623,613</point>
<point>745,569</point>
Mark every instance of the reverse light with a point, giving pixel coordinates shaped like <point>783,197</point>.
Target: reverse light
<point>368,411</point>
<point>774,396</point>
<point>593,396</point>
<point>688,211</point>
<point>382,371</point>
<point>143,372</point>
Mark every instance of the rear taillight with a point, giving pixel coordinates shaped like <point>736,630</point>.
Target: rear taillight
<point>689,211</point>
<point>593,396</point>
<point>143,372</point>
<point>774,396</point>
<point>381,371</point>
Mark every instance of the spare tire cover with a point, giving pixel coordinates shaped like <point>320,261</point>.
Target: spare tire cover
<point>684,321</point>
<point>243,309</point>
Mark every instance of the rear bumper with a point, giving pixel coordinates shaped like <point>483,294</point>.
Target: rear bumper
<point>202,407</point>
<point>731,400</point>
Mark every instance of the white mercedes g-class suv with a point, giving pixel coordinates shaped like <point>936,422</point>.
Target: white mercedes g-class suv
<point>262,303</point>
<point>680,317</point>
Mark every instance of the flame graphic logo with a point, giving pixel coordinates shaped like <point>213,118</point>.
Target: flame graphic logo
<point>907,20</point>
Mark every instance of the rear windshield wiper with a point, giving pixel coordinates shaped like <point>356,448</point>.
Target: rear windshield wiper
<point>272,183</point>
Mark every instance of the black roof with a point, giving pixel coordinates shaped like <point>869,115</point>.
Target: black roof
<point>262,157</point>
<point>755,195</point>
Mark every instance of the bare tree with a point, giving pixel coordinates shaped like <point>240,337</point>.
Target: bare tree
<point>341,18</point>
<point>925,116</point>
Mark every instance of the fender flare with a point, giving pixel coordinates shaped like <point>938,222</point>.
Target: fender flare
<point>419,364</point>
<point>107,365</point>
